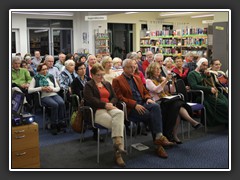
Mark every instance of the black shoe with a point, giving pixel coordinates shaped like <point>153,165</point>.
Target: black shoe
<point>177,142</point>
<point>197,126</point>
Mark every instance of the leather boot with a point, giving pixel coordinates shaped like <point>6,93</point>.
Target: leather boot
<point>119,160</point>
<point>118,146</point>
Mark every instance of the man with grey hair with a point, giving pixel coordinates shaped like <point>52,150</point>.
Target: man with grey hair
<point>21,79</point>
<point>140,107</point>
<point>189,62</point>
<point>149,59</point>
<point>49,60</point>
<point>60,63</point>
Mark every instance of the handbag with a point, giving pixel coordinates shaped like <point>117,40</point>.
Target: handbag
<point>77,119</point>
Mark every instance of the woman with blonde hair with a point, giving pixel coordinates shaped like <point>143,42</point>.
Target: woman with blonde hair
<point>107,65</point>
<point>172,109</point>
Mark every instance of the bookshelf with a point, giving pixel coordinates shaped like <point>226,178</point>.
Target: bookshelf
<point>173,42</point>
<point>101,44</point>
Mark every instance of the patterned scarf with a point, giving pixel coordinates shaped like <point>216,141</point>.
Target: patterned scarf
<point>162,94</point>
<point>43,79</point>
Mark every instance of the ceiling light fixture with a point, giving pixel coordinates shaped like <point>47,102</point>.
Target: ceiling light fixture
<point>204,15</point>
<point>174,13</point>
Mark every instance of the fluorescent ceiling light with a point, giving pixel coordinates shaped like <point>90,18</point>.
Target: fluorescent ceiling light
<point>130,12</point>
<point>204,15</point>
<point>174,13</point>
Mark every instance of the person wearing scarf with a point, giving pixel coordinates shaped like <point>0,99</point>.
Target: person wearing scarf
<point>48,86</point>
<point>216,103</point>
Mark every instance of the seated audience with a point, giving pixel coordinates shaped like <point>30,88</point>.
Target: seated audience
<point>60,63</point>
<point>219,76</point>
<point>91,60</point>
<point>46,84</point>
<point>25,66</point>
<point>49,60</point>
<point>117,65</point>
<point>159,59</point>
<point>180,71</point>
<point>216,103</point>
<point>140,107</point>
<point>172,110</point>
<point>99,95</point>
<point>189,62</point>
<point>79,82</point>
<point>147,61</point>
<point>66,77</point>
<point>109,73</point>
<point>21,79</point>
<point>168,65</point>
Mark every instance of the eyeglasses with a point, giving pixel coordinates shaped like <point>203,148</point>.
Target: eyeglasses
<point>81,68</point>
<point>99,75</point>
<point>44,69</point>
<point>132,67</point>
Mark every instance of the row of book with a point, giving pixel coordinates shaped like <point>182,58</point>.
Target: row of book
<point>178,32</point>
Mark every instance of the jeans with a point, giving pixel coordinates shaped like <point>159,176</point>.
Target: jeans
<point>153,115</point>
<point>57,105</point>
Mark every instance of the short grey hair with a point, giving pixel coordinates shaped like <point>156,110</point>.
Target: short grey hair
<point>134,56</point>
<point>126,61</point>
<point>48,57</point>
<point>16,58</point>
<point>68,62</point>
<point>158,55</point>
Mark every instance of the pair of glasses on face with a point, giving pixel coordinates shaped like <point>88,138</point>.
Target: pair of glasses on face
<point>44,69</point>
<point>81,68</point>
<point>100,75</point>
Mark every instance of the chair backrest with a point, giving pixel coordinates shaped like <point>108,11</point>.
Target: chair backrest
<point>181,88</point>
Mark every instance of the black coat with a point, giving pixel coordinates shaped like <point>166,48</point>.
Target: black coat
<point>77,87</point>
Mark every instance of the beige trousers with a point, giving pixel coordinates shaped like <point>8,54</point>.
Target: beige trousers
<point>112,119</point>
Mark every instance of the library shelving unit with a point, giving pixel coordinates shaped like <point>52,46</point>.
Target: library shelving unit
<point>171,43</point>
<point>101,43</point>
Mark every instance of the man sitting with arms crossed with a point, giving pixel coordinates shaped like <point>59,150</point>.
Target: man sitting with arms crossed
<point>130,89</point>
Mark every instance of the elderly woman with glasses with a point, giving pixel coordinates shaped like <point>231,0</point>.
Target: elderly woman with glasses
<point>100,96</point>
<point>46,84</point>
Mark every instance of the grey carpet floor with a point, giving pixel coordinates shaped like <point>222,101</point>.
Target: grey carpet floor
<point>202,151</point>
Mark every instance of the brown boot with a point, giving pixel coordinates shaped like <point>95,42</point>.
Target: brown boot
<point>163,141</point>
<point>119,160</point>
<point>161,152</point>
<point>118,146</point>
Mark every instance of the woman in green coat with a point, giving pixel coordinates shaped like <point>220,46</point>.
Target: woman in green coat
<point>215,102</point>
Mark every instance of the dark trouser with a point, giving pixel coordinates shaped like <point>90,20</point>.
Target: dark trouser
<point>58,111</point>
<point>152,115</point>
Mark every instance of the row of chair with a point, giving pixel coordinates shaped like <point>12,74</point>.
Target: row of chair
<point>181,90</point>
